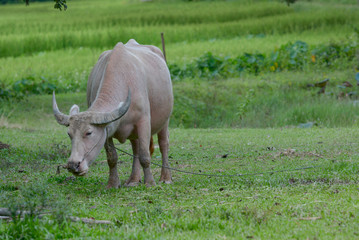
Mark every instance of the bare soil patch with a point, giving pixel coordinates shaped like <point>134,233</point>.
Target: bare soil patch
<point>4,146</point>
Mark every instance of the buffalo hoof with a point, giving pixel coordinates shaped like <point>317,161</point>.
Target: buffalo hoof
<point>166,181</point>
<point>131,184</point>
<point>112,186</point>
<point>113,182</point>
<point>150,184</point>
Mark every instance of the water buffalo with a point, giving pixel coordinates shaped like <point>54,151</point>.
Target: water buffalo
<point>129,95</point>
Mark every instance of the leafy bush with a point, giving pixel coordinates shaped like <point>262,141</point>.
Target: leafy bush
<point>210,65</point>
<point>251,63</point>
<point>327,55</point>
<point>290,56</point>
<point>25,87</point>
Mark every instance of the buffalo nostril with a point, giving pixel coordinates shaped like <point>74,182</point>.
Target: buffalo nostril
<point>78,166</point>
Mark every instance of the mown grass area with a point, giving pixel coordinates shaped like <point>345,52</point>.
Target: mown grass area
<point>311,203</point>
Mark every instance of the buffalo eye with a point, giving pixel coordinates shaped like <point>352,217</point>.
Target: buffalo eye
<point>88,134</point>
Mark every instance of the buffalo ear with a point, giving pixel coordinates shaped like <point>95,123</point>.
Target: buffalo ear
<point>74,110</point>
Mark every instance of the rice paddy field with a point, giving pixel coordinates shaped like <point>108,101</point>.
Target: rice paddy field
<point>31,36</point>
<point>248,79</point>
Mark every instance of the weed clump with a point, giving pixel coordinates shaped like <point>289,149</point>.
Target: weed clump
<point>35,214</point>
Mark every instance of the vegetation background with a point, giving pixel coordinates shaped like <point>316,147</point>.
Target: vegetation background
<point>268,87</point>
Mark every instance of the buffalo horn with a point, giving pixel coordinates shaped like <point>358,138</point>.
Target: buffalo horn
<point>105,118</point>
<point>60,117</point>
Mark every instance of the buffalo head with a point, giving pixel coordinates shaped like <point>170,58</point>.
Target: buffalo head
<point>87,131</point>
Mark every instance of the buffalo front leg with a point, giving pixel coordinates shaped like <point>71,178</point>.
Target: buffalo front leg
<point>163,142</point>
<point>113,180</point>
<point>135,177</point>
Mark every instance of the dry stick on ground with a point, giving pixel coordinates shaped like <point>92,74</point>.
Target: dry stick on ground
<point>5,213</point>
<point>310,218</point>
<point>89,220</point>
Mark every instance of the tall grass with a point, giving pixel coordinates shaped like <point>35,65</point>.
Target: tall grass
<point>61,47</point>
<point>67,68</point>
<point>103,24</point>
<point>268,100</point>
<point>60,67</point>
<point>277,100</point>
<point>109,14</point>
<point>184,52</point>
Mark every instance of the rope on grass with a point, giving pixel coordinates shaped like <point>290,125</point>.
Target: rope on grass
<point>226,175</point>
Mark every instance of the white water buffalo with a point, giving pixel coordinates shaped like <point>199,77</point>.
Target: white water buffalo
<point>129,94</point>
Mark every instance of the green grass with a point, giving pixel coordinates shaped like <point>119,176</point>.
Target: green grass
<point>260,27</point>
<point>61,71</point>
<point>198,207</point>
<point>253,120</point>
<point>35,36</point>
<point>92,25</point>
<point>277,100</point>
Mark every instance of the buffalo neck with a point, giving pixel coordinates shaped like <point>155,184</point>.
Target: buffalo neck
<point>115,81</point>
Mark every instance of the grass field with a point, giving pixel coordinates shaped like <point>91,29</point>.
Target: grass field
<point>248,122</point>
<point>107,23</point>
<point>33,36</point>
<point>314,203</point>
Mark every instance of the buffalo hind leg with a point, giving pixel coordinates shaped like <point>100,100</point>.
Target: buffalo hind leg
<point>144,139</point>
<point>135,177</point>
<point>113,180</point>
<point>163,142</point>
<point>152,147</point>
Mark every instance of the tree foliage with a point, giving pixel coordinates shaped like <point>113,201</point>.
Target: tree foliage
<point>59,4</point>
<point>290,1</point>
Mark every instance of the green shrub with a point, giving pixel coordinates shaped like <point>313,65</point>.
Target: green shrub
<point>288,57</point>
<point>25,87</point>
<point>291,56</point>
<point>251,63</point>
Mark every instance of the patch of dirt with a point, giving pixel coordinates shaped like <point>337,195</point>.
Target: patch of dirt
<point>293,152</point>
<point>289,153</point>
<point>55,151</point>
<point>4,146</point>
<point>321,181</point>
